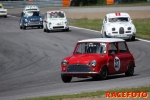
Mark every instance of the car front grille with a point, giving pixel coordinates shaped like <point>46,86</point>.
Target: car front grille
<point>57,27</point>
<point>34,22</point>
<point>79,68</point>
<point>121,30</point>
<point>2,11</point>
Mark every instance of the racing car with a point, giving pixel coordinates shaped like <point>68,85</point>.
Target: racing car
<point>3,12</point>
<point>118,25</point>
<point>55,20</point>
<point>31,17</point>
<point>98,58</point>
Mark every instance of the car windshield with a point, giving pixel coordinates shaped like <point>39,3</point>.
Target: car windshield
<point>31,13</point>
<point>90,48</point>
<point>56,15</point>
<point>119,19</point>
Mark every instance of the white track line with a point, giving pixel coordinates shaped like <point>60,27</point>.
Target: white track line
<point>99,32</point>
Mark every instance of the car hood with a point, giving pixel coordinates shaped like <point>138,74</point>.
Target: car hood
<point>120,24</point>
<point>83,58</point>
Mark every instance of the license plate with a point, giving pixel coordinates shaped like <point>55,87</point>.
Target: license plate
<point>122,35</point>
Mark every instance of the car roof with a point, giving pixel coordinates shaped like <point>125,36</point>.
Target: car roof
<point>118,14</point>
<point>53,11</point>
<point>102,40</point>
<point>31,8</point>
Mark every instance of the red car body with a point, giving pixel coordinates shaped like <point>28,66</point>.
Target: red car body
<point>98,58</point>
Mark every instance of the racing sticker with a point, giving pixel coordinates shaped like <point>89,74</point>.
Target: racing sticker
<point>117,63</point>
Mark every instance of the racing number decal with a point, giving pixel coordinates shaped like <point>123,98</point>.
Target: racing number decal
<point>117,63</point>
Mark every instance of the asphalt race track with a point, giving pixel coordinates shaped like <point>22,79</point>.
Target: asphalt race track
<point>30,62</point>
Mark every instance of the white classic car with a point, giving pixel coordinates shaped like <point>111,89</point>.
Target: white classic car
<point>3,12</point>
<point>55,20</point>
<point>118,25</point>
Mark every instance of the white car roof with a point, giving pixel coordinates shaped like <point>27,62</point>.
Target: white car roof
<point>31,8</point>
<point>118,14</point>
<point>53,11</point>
<point>102,40</point>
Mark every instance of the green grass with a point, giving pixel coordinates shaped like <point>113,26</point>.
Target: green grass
<point>92,94</point>
<point>142,26</point>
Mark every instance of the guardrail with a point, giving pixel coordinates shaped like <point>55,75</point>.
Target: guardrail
<point>39,3</point>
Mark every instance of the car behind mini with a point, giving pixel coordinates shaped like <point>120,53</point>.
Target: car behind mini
<point>118,25</point>
<point>31,17</point>
<point>55,20</point>
<point>98,58</point>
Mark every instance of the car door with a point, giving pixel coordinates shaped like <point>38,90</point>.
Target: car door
<point>124,56</point>
<point>114,59</point>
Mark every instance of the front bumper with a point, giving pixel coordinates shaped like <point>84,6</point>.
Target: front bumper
<point>3,14</point>
<point>79,74</point>
<point>32,24</point>
<point>58,27</point>
<point>123,36</point>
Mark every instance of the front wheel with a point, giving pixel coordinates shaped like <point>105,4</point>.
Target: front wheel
<point>130,70</point>
<point>104,35</point>
<point>66,79</point>
<point>102,75</point>
<point>133,38</point>
<point>24,27</point>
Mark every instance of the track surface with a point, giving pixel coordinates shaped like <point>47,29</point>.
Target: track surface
<point>30,62</point>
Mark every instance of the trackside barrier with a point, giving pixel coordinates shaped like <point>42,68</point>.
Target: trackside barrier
<point>66,3</point>
<point>108,2</point>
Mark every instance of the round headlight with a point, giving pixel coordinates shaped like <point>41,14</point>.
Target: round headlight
<point>113,29</point>
<point>64,62</point>
<point>41,19</point>
<point>26,20</point>
<point>93,63</point>
<point>129,28</point>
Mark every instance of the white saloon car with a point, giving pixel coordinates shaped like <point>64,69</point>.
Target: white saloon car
<point>55,20</point>
<point>118,25</point>
<point>3,12</point>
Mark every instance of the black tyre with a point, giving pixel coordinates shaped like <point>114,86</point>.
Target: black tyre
<point>20,25</point>
<point>24,27</point>
<point>67,29</point>
<point>130,70</point>
<point>66,79</point>
<point>102,75</point>
<point>5,16</point>
<point>104,35</point>
<point>47,30</point>
<point>133,38</point>
<point>44,30</point>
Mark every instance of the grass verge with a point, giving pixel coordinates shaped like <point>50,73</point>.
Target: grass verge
<point>92,94</point>
<point>142,26</point>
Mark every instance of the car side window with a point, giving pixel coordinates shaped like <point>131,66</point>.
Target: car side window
<point>122,47</point>
<point>113,48</point>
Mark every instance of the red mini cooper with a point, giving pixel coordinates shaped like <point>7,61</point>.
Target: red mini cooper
<point>98,58</point>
